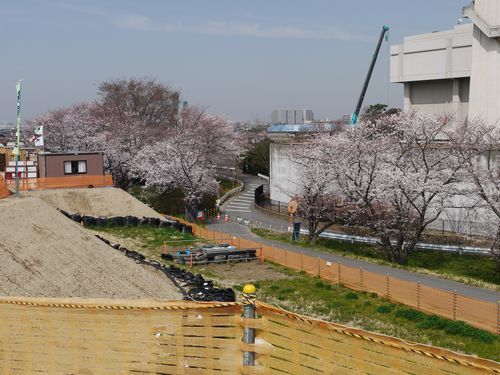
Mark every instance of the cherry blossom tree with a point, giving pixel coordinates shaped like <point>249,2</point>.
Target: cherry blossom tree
<point>395,176</point>
<point>148,101</point>
<point>74,128</point>
<point>316,202</point>
<point>478,145</point>
<point>189,157</point>
<point>85,127</point>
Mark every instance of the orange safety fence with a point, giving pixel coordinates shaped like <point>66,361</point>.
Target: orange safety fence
<point>478,313</point>
<point>99,336</point>
<point>83,181</point>
<point>4,191</point>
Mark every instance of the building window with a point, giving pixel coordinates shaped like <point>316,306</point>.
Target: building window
<point>75,167</point>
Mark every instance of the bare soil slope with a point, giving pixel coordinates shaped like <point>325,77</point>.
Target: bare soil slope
<point>95,202</point>
<point>45,254</point>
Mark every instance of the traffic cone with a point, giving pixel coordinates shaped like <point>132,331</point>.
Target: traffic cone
<point>226,218</point>
<point>218,216</point>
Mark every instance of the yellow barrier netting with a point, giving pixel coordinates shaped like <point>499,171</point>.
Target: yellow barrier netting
<point>77,336</point>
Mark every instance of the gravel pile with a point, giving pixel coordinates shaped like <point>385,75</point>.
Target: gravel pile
<point>45,254</point>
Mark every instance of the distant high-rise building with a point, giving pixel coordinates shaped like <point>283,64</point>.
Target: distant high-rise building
<point>291,116</point>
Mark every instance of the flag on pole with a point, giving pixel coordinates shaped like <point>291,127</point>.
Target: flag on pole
<point>38,137</point>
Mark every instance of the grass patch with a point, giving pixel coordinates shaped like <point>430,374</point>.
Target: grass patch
<point>307,295</point>
<point>468,268</point>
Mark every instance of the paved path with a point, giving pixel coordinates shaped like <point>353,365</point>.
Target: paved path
<point>247,211</point>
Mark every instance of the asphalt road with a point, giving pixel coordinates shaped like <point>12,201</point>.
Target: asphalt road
<point>242,205</point>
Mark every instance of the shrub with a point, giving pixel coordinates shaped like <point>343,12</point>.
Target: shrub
<point>320,284</point>
<point>351,295</point>
<point>238,287</point>
<point>458,328</point>
<point>410,314</point>
<point>373,295</point>
<point>287,290</point>
<point>274,287</point>
<point>384,309</point>
<point>433,322</point>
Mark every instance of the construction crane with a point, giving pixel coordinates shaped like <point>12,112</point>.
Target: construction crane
<point>355,115</point>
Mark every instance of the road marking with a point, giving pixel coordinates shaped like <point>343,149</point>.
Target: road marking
<point>238,205</point>
<point>242,199</point>
<point>238,210</point>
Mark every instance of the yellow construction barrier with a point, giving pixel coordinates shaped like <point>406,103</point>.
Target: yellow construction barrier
<point>77,336</point>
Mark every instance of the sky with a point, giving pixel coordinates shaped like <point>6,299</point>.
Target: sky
<point>237,58</point>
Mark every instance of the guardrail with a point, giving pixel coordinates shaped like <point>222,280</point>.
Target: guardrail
<point>230,193</point>
<point>277,207</point>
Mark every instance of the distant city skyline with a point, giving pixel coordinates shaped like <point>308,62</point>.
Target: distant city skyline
<point>235,58</point>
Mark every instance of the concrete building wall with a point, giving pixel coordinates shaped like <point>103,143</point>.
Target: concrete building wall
<point>485,77</point>
<point>283,172</point>
<point>432,56</point>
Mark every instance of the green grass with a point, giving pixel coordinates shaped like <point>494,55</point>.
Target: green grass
<point>310,296</point>
<point>471,269</point>
<point>149,236</point>
<point>226,185</point>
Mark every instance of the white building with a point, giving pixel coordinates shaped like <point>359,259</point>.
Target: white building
<point>456,71</point>
<point>291,116</point>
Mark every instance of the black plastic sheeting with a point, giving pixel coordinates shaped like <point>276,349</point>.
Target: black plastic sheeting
<point>193,287</point>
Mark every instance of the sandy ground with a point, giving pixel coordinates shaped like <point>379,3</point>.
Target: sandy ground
<point>95,202</point>
<point>47,255</point>
<point>229,274</point>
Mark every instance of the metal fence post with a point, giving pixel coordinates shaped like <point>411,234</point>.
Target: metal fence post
<point>454,305</point>
<point>340,277</point>
<point>498,318</point>
<point>418,295</point>
<point>388,286</point>
<point>249,313</point>
<point>361,278</point>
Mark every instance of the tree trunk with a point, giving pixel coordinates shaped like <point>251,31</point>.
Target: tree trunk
<point>191,211</point>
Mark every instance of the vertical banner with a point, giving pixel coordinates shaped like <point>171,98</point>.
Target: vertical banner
<point>18,117</point>
<point>18,132</point>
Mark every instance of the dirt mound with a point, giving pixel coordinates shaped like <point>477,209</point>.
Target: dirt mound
<point>45,254</point>
<point>95,202</point>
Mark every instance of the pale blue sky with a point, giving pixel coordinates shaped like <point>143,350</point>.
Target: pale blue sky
<point>240,58</point>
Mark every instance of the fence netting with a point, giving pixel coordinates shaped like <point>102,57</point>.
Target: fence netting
<point>478,313</point>
<point>83,181</point>
<point>78,336</point>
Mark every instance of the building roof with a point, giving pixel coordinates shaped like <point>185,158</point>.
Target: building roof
<point>48,153</point>
<point>289,128</point>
